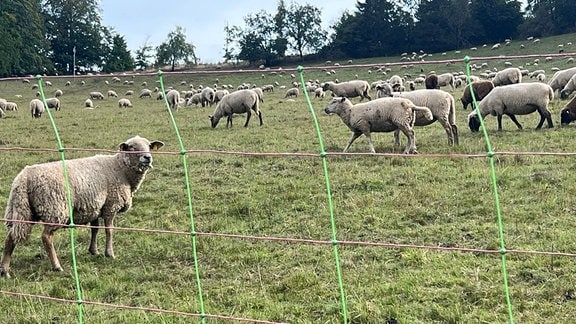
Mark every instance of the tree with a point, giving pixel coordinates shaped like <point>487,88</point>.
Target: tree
<point>176,50</point>
<point>142,56</point>
<point>545,18</point>
<point>229,49</point>
<point>74,24</point>
<point>497,19</point>
<point>303,29</point>
<point>119,58</point>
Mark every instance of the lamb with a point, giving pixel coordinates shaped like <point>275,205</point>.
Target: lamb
<point>173,98</point>
<point>112,93</point>
<point>568,113</point>
<point>561,78</point>
<point>100,186</point>
<point>36,108</point>
<point>515,99</point>
<point>440,103</point>
<point>292,92</point>
<point>507,76</point>
<point>96,95</point>
<point>124,103</point>
<point>207,96</point>
<point>237,102</point>
<point>319,93</point>
<point>481,89</point>
<point>379,115</point>
<point>53,103</point>
<point>88,103</point>
<point>350,89</point>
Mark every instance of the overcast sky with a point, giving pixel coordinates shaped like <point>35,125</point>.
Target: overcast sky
<point>203,21</point>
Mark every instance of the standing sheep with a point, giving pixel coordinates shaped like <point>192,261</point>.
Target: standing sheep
<point>88,103</point>
<point>112,93</point>
<point>58,93</point>
<point>96,95</point>
<point>379,115</point>
<point>100,186</point>
<point>350,89</point>
<point>124,103</point>
<point>36,108</point>
<point>53,103</point>
<point>507,76</point>
<point>218,95</point>
<point>515,99</point>
<point>561,78</point>
<point>207,96</point>
<point>292,92</point>
<point>481,89</point>
<point>431,81</point>
<point>11,106</point>
<point>446,79</point>
<point>237,102</point>
<point>173,98</point>
<point>568,88</point>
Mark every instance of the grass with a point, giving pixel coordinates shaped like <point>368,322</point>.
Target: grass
<point>430,200</point>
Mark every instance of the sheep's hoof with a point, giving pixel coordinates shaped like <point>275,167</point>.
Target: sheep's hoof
<point>94,252</point>
<point>58,268</point>
<point>4,273</point>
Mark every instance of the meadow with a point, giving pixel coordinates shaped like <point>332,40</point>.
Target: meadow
<point>419,233</point>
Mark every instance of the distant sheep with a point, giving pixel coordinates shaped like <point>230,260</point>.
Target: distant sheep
<point>350,89</point>
<point>10,106</point>
<point>101,186</point>
<point>124,103</point>
<point>173,98</point>
<point>319,93</point>
<point>379,115</point>
<point>58,93</point>
<point>96,95</point>
<point>237,102</point>
<point>207,96</point>
<point>481,90</point>
<point>292,92</point>
<point>112,93</point>
<point>88,103</point>
<point>507,76</point>
<point>36,108</point>
<point>145,93</point>
<point>446,79</point>
<point>53,103</point>
<point>512,100</point>
<point>561,78</point>
<point>218,95</point>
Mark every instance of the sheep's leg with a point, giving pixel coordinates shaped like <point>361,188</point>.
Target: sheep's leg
<point>411,145</point>
<point>229,120</point>
<point>544,116</point>
<point>448,129</point>
<point>248,115</point>
<point>48,240</point>
<point>455,134</point>
<point>355,135</point>
<point>9,246</point>
<point>93,249</point>
<point>513,118</point>
<point>109,223</point>
<point>260,117</point>
<point>370,144</point>
<point>397,137</point>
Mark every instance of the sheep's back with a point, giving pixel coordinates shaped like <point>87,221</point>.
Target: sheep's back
<point>237,102</point>
<point>518,99</point>
<point>382,114</point>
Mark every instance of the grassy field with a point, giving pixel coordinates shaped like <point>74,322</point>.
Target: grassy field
<point>441,198</point>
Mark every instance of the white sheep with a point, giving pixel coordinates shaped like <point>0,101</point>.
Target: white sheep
<point>379,115</point>
<point>207,96</point>
<point>507,76</point>
<point>350,89</point>
<point>196,100</point>
<point>218,95</point>
<point>100,186</point>
<point>124,103</point>
<point>53,103</point>
<point>96,95</point>
<point>145,93</point>
<point>36,108</point>
<point>112,93</point>
<point>446,79</point>
<point>515,99</point>
<point>237,102</point>
<point>561,78</point>
<point>173,98</point>
<point>88,103</point>
<point>292,92</point>
<point>319,93</point>
<point>129,93</point>
<point>58,93</point>
<point>10,106</point>
<point>568,88</point>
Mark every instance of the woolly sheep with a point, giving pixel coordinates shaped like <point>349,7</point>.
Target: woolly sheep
<point>561,78</point>
<point>207,96</point>
<point>100,186</point>
<point>568,113</point>
<point>319,93</point>
<point>237,102</point>
<point>36,108</point>
<point>379,115</point>
<point>218,95</point>
<point>10,106</point>
<point>507,76</point>
<point>58,93</point>
<point>145,93</point>
<point>395,82</point>
<point>292,92</point>
<point>568,88</point>
<point>96,95</point>
<point>88,103</point>
<point>439,102</point>
<point>173,98</point>
<point>129,93</point>
<point>124,103</point>
<point>196,99</point>
<point>446,79</point>
<point>515,99</point>
<point>112,93</point>
<point>53,103</point>
<point>350,89</point>
<point>481,90</point>
<point>258,91</point>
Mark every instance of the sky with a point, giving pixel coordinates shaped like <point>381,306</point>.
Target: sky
<point>150,21</point>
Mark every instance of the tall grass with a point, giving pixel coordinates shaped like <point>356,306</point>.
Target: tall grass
<point>428,200</point>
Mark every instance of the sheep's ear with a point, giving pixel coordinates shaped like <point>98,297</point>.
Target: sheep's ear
<point>124,147</point>
<point>342,99</point>
<point>209,117</point>
<point>156,145</point>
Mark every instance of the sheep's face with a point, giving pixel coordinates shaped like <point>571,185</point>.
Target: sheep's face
<point>564,95</point>
<point>214,121</point>
<point>566,117</point>
<point>335,105</point>
<point>474,122</point>
<point>141,159</point>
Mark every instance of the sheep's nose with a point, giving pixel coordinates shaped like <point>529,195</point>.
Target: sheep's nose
<point>146,159</point>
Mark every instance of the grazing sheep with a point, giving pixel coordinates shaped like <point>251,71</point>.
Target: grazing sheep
<point>145,93</point>
<point>237,102</point>
<point>196,100</point>
<point>129,93</point>
<point>446,79</point>
<point>36,108</point>
<point>568,88</point>
<point>10,106</point>
<point>561,78</point>
<point>88,103</point>
<point>207,96</point>
<point>507,76</point>
<point>515,99</point>
<point>396,82</point>
<point>96,95</point>
<point>100,186</point>
<point>112,93</point>
<point>124,103</point>
<point>379,115</point>
<point>292,92</point>
<point>68,83</point>
<point>258,91</point>
<point>481,89</point>
<point>568,113</point>
<point>53,103</point>
<point>319,93</point>
<point>431,81</point>
<point>173,98</point>
<point>218,95</point>
<point>58,93</point>
<point>350,89</point>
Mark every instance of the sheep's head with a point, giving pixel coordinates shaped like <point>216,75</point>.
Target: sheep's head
<point>567,116</point>
<point>564,94</point>
<point>335,105</point>
<point>474,122</point>
<point>141,159</point>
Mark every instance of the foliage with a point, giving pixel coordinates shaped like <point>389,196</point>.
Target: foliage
<point>549,18</point>
<point>119,58</point>
<point>143,56</point>
<point>499,19</point>
<point>302,28</point>
<point>176,50</point>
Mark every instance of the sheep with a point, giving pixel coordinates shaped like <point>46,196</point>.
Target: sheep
<point>36,108</point>
<point>88,103</point>
<point>124,103</point>
<point>237,102</point>
<point>10,106</point>
<point>100,186</point>
<point>379,115</point>
<point>96,95</point>
<point>431,81</point>
<point>568,113</point>
<point>319,93</point>
<point>129,93</point>
<point>481,89</point>
<point>350,89</point>
<point>58,93</point>
<point>53,103</point>
<point>68,83</point>
<point>258,91</point>
<point>515,99</point>
<point>218,95</point>
<point>196,99</point>
<point>568,88</point>
<point>439,102</point>
<point>2,114</point>
<point>112,93</point>
<point>173,98</point>
<point>507,76</point>
<point>207,96</point>
<point>396,82</point>
<point>145,93</point>
<point>446,79</point>
<point>561,78</point>
<point>292,92</point>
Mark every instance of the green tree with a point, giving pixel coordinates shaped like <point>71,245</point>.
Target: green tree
<point>546,18</point>
<point>176,50</point>
<point>303,29</point>
<point>258,41</point>
<point>497,19</point>
<point>119,58</point>
<point>229,49</point>
<point>74,24</point>
<point>143,56</point>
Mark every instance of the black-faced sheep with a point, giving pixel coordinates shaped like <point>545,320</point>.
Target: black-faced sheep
<point>568,113</point>
<point>36,108</point>
<point>350,89</point>
<point>101,186</point>
<point>481,89</point>
<point>431,81</point>
<point>507,76</point>
<point>237,102</point>
<point>515,99</point>
<point>379,115</point>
